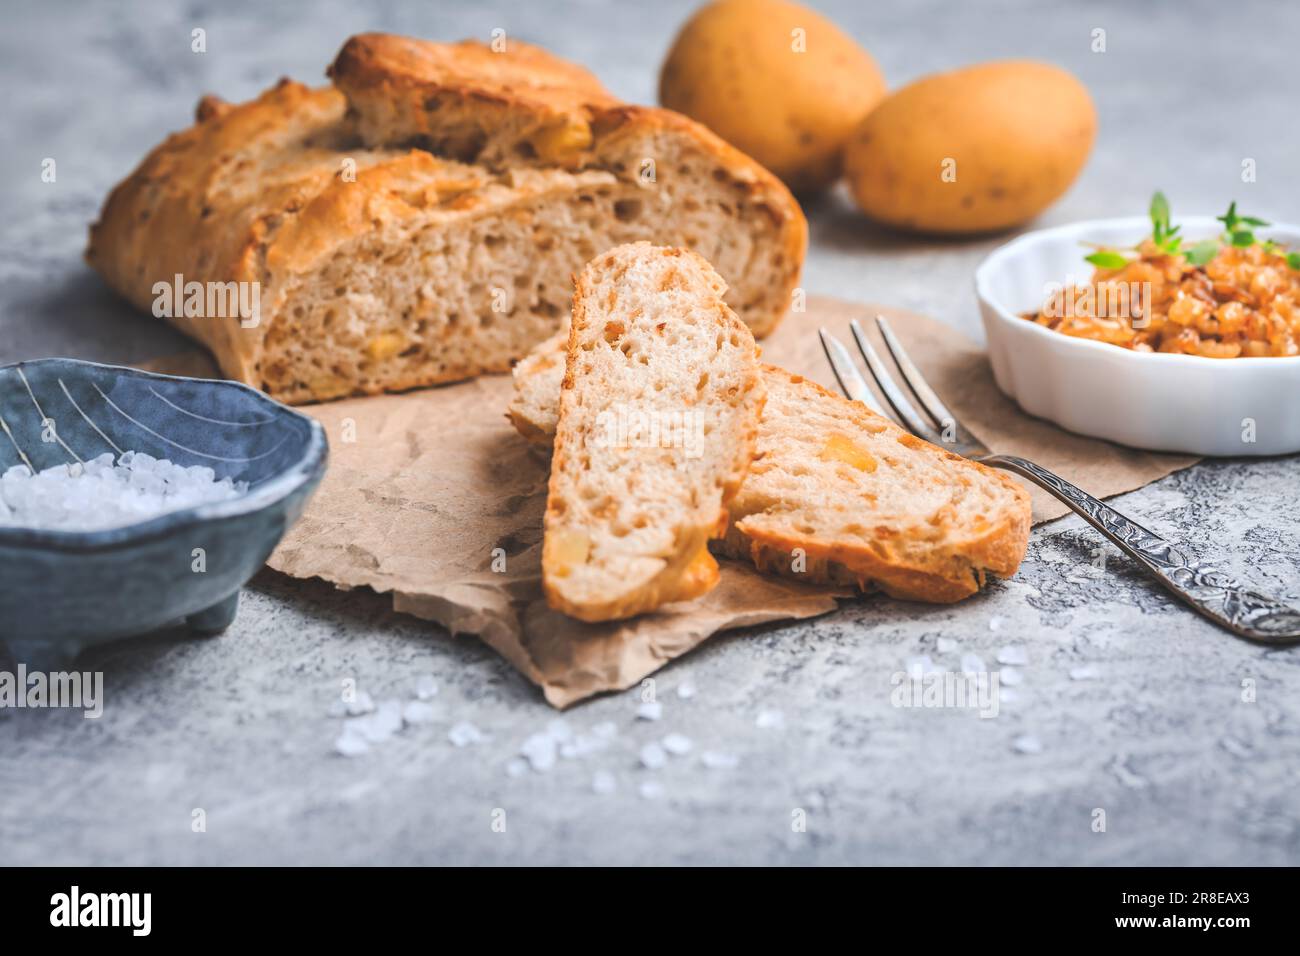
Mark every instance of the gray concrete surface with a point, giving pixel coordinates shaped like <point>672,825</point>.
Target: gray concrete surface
<point>1153,730</point>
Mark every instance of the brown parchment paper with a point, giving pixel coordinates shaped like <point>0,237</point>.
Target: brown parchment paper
<point>432,497</point>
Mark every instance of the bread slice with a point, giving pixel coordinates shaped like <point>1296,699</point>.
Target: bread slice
<point>658,415</point>
<point>419,221</point>
<point>838,495</point>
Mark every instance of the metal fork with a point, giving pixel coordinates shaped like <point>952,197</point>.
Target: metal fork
<point>1222,599</point>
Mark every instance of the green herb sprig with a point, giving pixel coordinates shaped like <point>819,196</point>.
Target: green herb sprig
<point>1238,231</point>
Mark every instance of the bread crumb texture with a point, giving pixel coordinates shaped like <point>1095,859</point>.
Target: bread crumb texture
<point>839,495</point>
<point>419,221</point>
<point>657,423</point>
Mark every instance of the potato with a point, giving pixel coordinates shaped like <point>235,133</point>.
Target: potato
<point>974,150</point>
<point>775,80</point>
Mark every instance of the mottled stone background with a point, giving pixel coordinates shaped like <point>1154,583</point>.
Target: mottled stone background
<point>1151,727</point>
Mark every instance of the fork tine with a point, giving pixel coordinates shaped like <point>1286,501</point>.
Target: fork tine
<point>929,399</point>
<point>907,414</point>
<point>912,376</point>
<point>846,373</point>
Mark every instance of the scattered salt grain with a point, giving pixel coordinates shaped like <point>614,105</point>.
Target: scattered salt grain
<point>603,782</point>
<point>351,744</point>
<point>359,704</point>
<point>426,688</point>
<point>651,790</point>
<point>946,645</point>
<point>653,756</point>
<point>972,664</point>
<point>1007,696</point>
<point>650,710</point>
<point>685,690</point>
<point>102,493</point>
<point>995,624</point>
<point>1027,744</point>
<point>918,667</point>
<point>770,720</point>
<point>464,734</point>
<point>583,744</point>
<point>719,761</point>
<point>678,745</point>
<point>1085,672</point>
<point>540,751</point>
<point>516,767</point>
<point>1010,677</point>
<point>418,712</point>
<point>380,725</point>
<point>1013,655</point>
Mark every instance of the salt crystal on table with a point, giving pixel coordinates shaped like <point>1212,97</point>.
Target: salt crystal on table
<point>918,667</point>
<point>1010,676</point>
<point>770,720</point>
<point>351,744</point>
<point>463,734</point>
<point>603,782</point>
<point>540,751</point>
<point>1013,655</point>
<point>718,761</point>
<point>1083,673</point>
<point>653,756</point>
<point>677,744</point>
<point>650,710</point>
<point>382,724</point>
<point>102,493</point>
<point>418,712</point>
<point>995,624</point>
<point>583,744</point>
<point>360,704</point>
<point>946,645</point>
<point>516,767</point>
<point>972,664</point>
<point>651,789</point>
<point>1027,744</point>
<point>426,687</point>
<point>685,690</point>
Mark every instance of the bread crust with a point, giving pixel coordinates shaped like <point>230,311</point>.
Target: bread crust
<point>257,192</point>
<point>523,91</point>
<point>958,572</point>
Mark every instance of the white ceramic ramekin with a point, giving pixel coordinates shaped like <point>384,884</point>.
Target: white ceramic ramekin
<point>1152,400</point>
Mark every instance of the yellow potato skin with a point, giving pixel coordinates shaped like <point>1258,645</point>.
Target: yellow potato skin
<point>1019,131</point>
<point>733,67</point>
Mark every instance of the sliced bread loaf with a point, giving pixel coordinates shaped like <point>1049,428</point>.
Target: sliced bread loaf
<point>658,413</point>
<point>419,222</point>
<point>839,495</point>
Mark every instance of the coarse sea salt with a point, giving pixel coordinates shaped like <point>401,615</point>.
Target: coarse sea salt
<point>650,710</point>
<point>678,745</point>
<point>103,493</point>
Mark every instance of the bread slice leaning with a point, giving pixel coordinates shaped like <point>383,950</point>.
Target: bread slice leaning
<point>658,413</point>
<point>838,495</point>
<point>419,221</point>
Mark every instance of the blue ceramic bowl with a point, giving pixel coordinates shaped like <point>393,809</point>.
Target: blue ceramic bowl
<point>62,591</point>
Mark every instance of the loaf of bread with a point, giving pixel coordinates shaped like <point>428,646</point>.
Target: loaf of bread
<point>658,412</point>
<point>839,495</point>
<point>420,220</point>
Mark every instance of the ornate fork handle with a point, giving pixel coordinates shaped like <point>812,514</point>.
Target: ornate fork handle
<point>1211,592</point>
